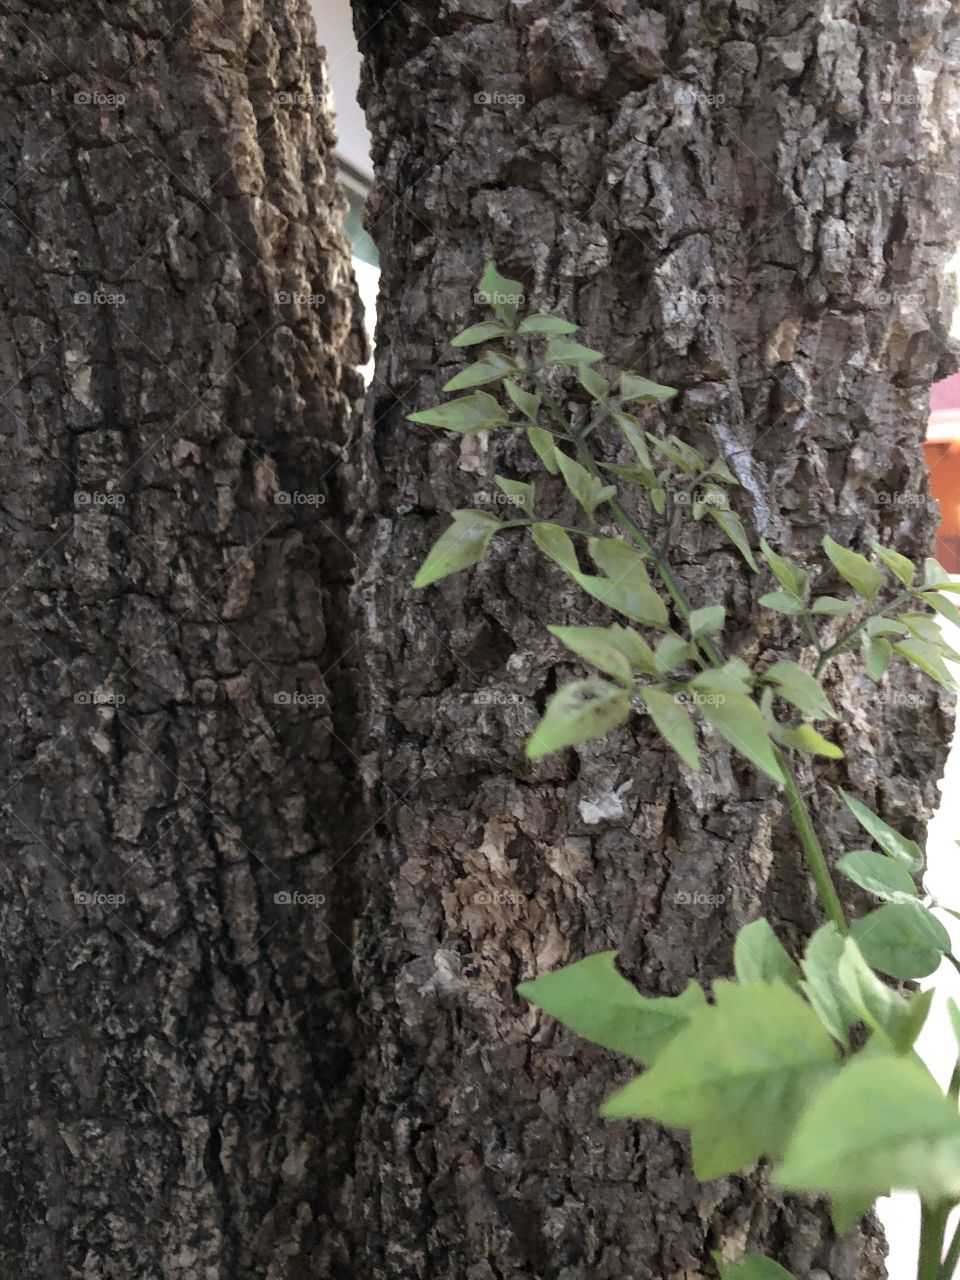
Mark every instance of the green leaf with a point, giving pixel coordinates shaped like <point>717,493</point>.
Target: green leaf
<point>486,331</point>
<point>865,578</point>
<point>876,654</point>
<point>673,724</point>
<point>946,608</point>
<point>896,1021</point>
<point>490,368</point>
<point>900,847</point>
<point>926,658</point>
<point>708,620</point>
<point>593,644</point>
<point>898,565</point>
<point>503,295</point>
<point>753,1267</point>
<point>541,441</point>
<point>468,415</point>
<point>732,526</point>
<point>592,998</point>
<point>822,985</point>
<point>738,719</point>
<point>519,489</point>
<point>563,351</point>
<point>462,545</point>
<point>690,461</point>
<point>558,545</point>
<point>626,587</point>
<point>540,323</point>
<point>881,1123</point>
<point>801,689</point>
<point>760,956</point>
<point>791,576</point>
<point>935,575</point>
<point>632,429</point>
<point>879,874</point>
<point>902,940</point>
<point>586,488</point>
<point>781,602</point>
<point>594,382</point>
<point>525,401</point>
<point>803,737</point>
<point>671,652</point>
<point>738,1076</point>
<point>635,388</point>
<point>832,606</point>
<point>579,711</point>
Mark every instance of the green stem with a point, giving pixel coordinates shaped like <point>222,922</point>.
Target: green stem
<point>812,849</point>
<point>827,654</point>
<point>933,1223</point>
<point>949,1265</point>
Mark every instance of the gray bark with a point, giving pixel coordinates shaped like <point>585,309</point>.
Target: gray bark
<point>174,1040</point>
<point>754,204</point>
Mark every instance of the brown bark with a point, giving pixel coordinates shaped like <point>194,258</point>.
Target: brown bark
<point>173,1039</point>
<point>754,204</point>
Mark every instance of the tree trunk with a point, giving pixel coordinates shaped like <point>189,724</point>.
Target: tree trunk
<point>177,342</point>
<point>753,204</point>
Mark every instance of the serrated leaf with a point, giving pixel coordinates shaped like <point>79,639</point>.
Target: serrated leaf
<point>633,387</point>
<point>738,1076</point>
<point>563,351</point>
<point>898,565</point>
<point>523,492</point>
<point>579,711</point>
<point>801,689</point>
<point>760,956</point>
<point>585,487</point>
<point>803,737</point>
<point>462,545</point>
<point>865,578</point>
<point>486,331</point>
<point>593,644</point>
<point>732,526</point>
<point>832,607</point>
<point>753,1267</point>
<point>673,724</point>
<point>792,577</point>
<point>822,985</point>
<point>503,295</point>
<point>558,545</point>
<point>467,415</point>
<point>592,998</point>
<point>781,602</point>
<point>635,435</point>
<point>878,874</point>
<point>902,940</point>
<point>540,323</point>
<point>880,1124</point>
<point>490,368</point>
<point>708,620</point>
<point>737,718</point>
<point>541,441</point>
<point>890,841</point>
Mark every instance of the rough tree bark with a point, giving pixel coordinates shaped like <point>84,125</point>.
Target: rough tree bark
<point>752,203</point>
<point>177,341</point>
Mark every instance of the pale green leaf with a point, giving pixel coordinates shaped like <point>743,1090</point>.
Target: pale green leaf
<point>468,414</point>
<point>896,1021</point>
<point>585,487</point>
<point>876,655</point>
<point>738,719</point>
<point>594,645</point>
<point>546,324</point>
<point>462,545</point>
<point>833,607</point>
<point>805,738</point>
<point>490,368</point>
<point>878,874</point>
<point>594,382</point>
<point>519,490</point>
<point>579,711</point>
<point>563,351</point>
<point>926,657</point>
<point>890,841</point>
<point>503,295</point>
<point>525,401</point>
<point>753,1267</point>
<point>633,387</point>
<point>791,576</point>
<point>708,620</point>
<point>558,545</point>
<point>732,526</point>
<point>541,441</point>
<point>671,652</point>
<point>822,985</point>
<point>632,429</point>
<point>781,602</point>
<point>760,956</point>
<point>865,578</point>
<point>898,565</point>
<point>673,724</point>
<point>486,331</point>
<point>801,689</point>
<point>902,940</point>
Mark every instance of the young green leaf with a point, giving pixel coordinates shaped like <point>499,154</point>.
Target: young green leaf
<point>586,488</point>
<point>946,608</point>
<point>541,441</point>
<point>792,577</point>
<point>592,998</point>
<point>881,1123</point>
<point>489,368</point>
<point>563,351</point>
<point>525,401</point>
<point>594,382</point>
<point>738,719</point>
<point>781,602</point>
<point>876,655</point>
<point>822,985</point>
<point>803,737</point>
<point>738,1076</point>
<point>801,689</point>
<point>546,324</point>
<point>626,587</point>
<point>896,1021</point>
<point>673,724</point>
<point>633,387</point>
<point>708,620</point>
<point>467,415</point>
<point>753,1267</point>
<point>690,461</point>
<point>879,874</point>
<point>900,847</point>
<point>486,331</point>
<point>935,575</point>
<point>462,545</point>
<point>558,545</point>
<point>832,607</point>
<point>593,644</point>
<point>865,578</point>
<point>519,490</point>
<point>732,526</point>
<point>632,429</point>
<point>503,295</point>
<point>579,711</point>
<point>926,658</point>
<point>902,940</point>
<point>898,565</point>
<point>760,956</point>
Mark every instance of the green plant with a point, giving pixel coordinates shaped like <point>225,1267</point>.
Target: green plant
<point>809,1066</point>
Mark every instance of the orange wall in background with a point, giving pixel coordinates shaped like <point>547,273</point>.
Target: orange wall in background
<point>943,460</point>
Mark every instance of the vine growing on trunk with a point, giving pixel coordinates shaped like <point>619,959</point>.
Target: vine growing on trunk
<point>807,1065</point>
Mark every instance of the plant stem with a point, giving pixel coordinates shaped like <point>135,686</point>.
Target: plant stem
<point>827,654</point>
<point>933,1222</point>
<point>812,849</point>
<point>949,1264</point>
